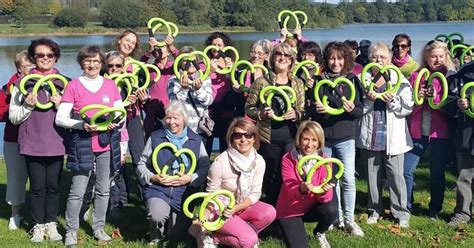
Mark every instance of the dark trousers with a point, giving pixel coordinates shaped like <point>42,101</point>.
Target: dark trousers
<point>323,213</point>
<point>281,143</point>
<point>44,174</point>
<point>220,131</point>
<point>136,144</point>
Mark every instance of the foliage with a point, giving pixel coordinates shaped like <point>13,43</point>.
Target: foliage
<point>123,14</point>
<point>71,17</point>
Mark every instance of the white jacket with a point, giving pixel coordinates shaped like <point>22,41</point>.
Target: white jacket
<point>398,137</point>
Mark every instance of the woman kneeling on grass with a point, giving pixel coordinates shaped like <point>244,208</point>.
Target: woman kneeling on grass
<point>240,170</point>
<point>297,203</point>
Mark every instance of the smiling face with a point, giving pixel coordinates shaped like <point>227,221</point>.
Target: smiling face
<point>436,59</point>
<point>309,143</point>
<point>44,58</point>
<point>336,62</point>
<point>174,121</point>
<point>401,48</point>
<point>92,66</point>
<point>380,56</point>
<point>282,61</point>
<point>258,55</point>
<point>25,66</point>
<point>115,65</point>
<point>127,44</point>
<point>243,141</point>
<point>218,42</point>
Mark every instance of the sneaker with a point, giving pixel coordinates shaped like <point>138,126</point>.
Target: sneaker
<point>70,239</point>
<point>323,242</point>
<point>14,222</point>
<point>206,241</point>
<point>457,220</point>
<point>434,216</point>
<point>37,233</point>
<point>51,231</point>
<point>101,236</point>
<point>372,220</point>
<point>352,228</point>
<point>404,223</point>
<point>87,214</point>
<point>339,224</point>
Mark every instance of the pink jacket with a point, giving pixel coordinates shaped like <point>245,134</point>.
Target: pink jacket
<point>439,119</point>
<point>291,202</point>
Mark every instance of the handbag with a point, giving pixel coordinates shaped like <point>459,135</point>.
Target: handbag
<point>205,124</point>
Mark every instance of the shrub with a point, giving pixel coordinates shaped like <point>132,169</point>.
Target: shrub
<point>123,14</point>
<point>69,17</point>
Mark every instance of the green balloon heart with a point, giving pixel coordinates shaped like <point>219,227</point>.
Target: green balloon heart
<point>292,14</point>
<point>280,90</point>
<point>469,111</point>
<point>41,82</point>
<point>155,23</point>
<point>243,72</point>
<point>464,54</point>
<point>425,74</point>
<point>369,86</point>
<point>201,209</point>
<point>226,70</point>
<point>126,80</point>
<point>163,170</point>
<point>138,66</point>
<point>110,112</point>
<point>193,56</point>
<point>320,161</point>
<point>333,84</point>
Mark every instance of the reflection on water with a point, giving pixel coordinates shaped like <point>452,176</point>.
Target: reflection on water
<point>419,32</point>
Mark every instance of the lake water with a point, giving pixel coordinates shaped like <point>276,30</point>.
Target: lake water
<point>420,33</point>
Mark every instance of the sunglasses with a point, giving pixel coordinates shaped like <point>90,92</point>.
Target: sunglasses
<point>247,135</point>
<point>402,46</point>
<point>115,65</point>
<point>280,54</point>
<point>42,55</point>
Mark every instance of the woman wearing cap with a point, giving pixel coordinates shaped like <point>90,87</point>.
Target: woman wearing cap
<point>401,48</point>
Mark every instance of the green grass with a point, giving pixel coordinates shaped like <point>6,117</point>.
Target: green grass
<point>134,226</point>
<point>97,28</point>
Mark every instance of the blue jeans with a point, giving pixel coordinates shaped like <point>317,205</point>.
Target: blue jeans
<point>345,151</point>
<point>439,158</point>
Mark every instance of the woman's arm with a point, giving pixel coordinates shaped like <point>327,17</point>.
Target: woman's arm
<point>144,174</point>
<point>214,177</point>
<point>63,117</point>
<point>251,105</point>
<point>402,103</point>
<point>199,176</point>
<point>204,94</point>
<point>18,112</point>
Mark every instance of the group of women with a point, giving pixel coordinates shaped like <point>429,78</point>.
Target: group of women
<point>260,142</point>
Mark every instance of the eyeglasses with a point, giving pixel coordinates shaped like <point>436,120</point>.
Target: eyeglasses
<point>42,55</point>
<point>28,67</point>
<point>88,62</point>
<point>374,57</point>
<point>402,46</point>
<point>247,135</point>
<point>260,54</point>
<point>118,66</point>
<point>280,54</point>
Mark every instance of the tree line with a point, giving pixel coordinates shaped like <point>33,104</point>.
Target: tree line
<point>260,15</point>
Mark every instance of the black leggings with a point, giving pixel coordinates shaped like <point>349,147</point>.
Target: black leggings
<point>323,213</point>
<point>281,143</point>
<point>44,174</point>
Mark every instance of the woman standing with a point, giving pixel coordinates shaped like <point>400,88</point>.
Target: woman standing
<point>276,138</point>
<point>88,149</point>
<point>15,163</point>
<point>44,163</point>
<point>430,128</point>
<point>401,48</point>
<point>383,134</point>
<point>340,130</point>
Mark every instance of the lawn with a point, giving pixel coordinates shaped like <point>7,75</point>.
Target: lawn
<point>423,232</point>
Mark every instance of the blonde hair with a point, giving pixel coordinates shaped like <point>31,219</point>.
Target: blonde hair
<point>381,46</point>
<point>246,125</point>
<point>23,55</point>
<point>286,49</point>
<point>312,127</point>
<point>429,47</point>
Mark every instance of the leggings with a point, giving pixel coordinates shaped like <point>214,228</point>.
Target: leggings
<point>323,213</point>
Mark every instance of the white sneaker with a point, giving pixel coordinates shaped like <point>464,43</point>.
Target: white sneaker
<point>51,231</point>
<point>37,233</point>
<point>70,239</point>
<point>207,241</point>
<point>323,242</point>
<point>372,220</point>
<point>14,222</point>
<point>404,223</point>
<point>339,224</point>
<point>352,228</point>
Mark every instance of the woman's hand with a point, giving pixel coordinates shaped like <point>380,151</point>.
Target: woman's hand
<point>305,187</point>
<point>328,187</point>
<point>143,95</point>
<point>228,212</point>
<point>371,95</point>
<point>183,179</point>
<point>31,100</point>
<point>290,115</point>
<point>88,127</point>
<point>463,104</point>
<point>169,40</point>
<point>56,99</point>
<point>310,82</point>
<point>184,81</point>
<point>197,84</point>
<point>132,98</point>
<point>267,113</point>
<point>387,97</point>
<point>348,106</point>
<point>428,92</point>
<point>228,63</point>
<point>237,88</point>
<point>319,108</point>
<point>161,179</point>
<point>112,126</point>
<point>152,42</point>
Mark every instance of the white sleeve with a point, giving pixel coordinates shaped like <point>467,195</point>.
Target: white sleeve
<point>18,112</point>
<point>63,117</point>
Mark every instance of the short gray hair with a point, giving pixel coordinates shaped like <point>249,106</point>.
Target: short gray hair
<point>176,106</point>
<point>381,46</point>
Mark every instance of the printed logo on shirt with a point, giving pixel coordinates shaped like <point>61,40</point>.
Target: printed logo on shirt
<point>105,99</point>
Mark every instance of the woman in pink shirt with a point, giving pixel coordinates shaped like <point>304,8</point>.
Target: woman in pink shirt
<point>297,203</point>
<point>240,170</point>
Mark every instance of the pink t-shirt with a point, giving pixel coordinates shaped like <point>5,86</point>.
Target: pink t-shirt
<point>80,97</point>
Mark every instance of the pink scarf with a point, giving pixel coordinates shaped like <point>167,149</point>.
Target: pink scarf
<point>400,62</point>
